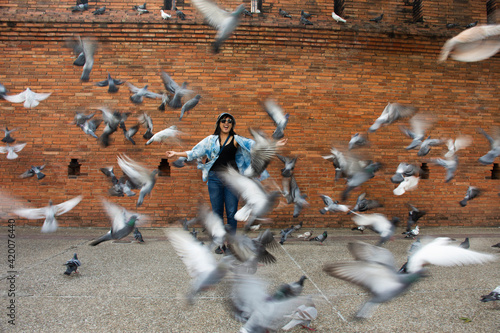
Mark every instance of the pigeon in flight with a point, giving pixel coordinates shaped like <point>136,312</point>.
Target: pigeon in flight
<point>288,290</point>
<point>472,192</point>
<point>146,121</point>
<point>225,22</point>
<point>11,150</point>
<point>363,204</point>
<point>449,164</point>
<point>72,265</point>
<point>359,177</point>
<point>189,105</point>
<point>284,13</point>
<point>138,236</point>
<point>405,170</point>
<point>81,118</point>
<point>90,126</point>
<point>140,176</point>
<point>287,171</point>
<point>49,213</point>
<point>413,216</point>
<point>174,88</point>
<point>161,136</point>
<point>426,145</point>
<point>110,83</point>
<point>30,98</point>
<point>34,170</point>
<point>89,48</point>
<point>494,141</point>
<point>357,140</point>
<point>278,116</point>
<point>119,186</point>
<point>7,138</point>
<point>261,153</point>
<point>391,113</point>
<point>332,206</point>
<point>284,234</point>
<point>338,18</point>
<point>379,224</point>
<point>139,94</point>
<point>302,316</point>
<point>3,91</point>
<point>419,124</point>
<point>454,146</point>
<point>408,184</point>
<point>293,195</point>
<point>474,44</point>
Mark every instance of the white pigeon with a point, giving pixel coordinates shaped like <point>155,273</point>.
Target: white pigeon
<point>301,316</point>
<point>474,44</point>
<point>261,153</point>
<point>213,224</point>
<point>31,99</point>
<point>165,134</point>
<point>165,15</point>
<point>455,145</point>
<point>338,18</point>
<point>11,150</point>
<point>408,184</point>
<point>378,223</point>
<point>49,213</point>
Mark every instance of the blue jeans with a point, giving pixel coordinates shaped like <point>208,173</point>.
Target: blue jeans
<point>220,196</point>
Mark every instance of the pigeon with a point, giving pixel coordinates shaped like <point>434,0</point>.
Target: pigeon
<point>452,25</point>
<point>257,201</point>
<point>306,235</point>
<point>161,136</point>
<point>357,140</point>
<point>180,162</point>
<point>408,184</point>
<point>284,234</point>
<point>360,228</point>
<point>493,296</point>
<point>225,22</point>
<point>405,170</point>
<point>113,120</point>
<point>426,145</point>
<point>449,164</point>
<point>146,121</point>
<point>412,233</point>
<point>247,13</point>
<point>213,224</point>
<point>80,7</point>
<point>494,141</point>
<point>320,238</point>
<point>359,177</point>
<point>138,236</point>
<point>363,204</point>
<point>474,44</point>
<point>11,150</point>
<point>131,132</point>
<point>3,91</point>
<point>413,216</point>
<point>89,47</point>
<point>419,124</point>
<point>455,145</point>
<point>29,98</point>
<point>72,265</point>
<point>278,116</point>
<point>141,9</point>
<point>139,94</point>
<point>139,176</point>
<point>90,126</point>
<point>293,195</point>
<point>379,224</point>
<point>287,171</point>
<point>119,187</point>
<point>378,18</point>
<point>80,118</point>
<point>165,100</point>
<point>465,244</point>
<point>472,192</point>
<point>284,13</point>
<point>261,153</point>
<point>305,21</point>
<point>174,88</point>
<point>189,105</point>
<point>338,18</point>
<point>7,138</point>
<point>99,11</point>
<point>180,14</point>
<point>332,206</point>
<point>496,245</point>
<point>288,290</point>
<point>346,165</point>
<point>111,83</point>
<point>123,223</point>
<point>49,213</point>
<point>201,265</point>
<point>471,25</point>
<point>251,251</point>
<point>302,316</point>
<point>306,15</point>
<point>34,170</point>
<point>164,15</point>
<point>391,113</point>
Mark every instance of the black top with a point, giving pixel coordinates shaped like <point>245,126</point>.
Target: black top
<point>227,157</point>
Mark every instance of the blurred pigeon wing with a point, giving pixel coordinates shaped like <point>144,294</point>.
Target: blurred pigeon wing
<point>137,173</point>
<point>196,257</point>
<point>67,205</point>
<point>18,147</point>
<point>32,213</point>
<point>371,253</point>
<point>19,98</point>
<point>169,83</point>
<point>211,12</point>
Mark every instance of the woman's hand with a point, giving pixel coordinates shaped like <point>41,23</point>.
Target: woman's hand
<point>281,142</point>
<point>170,154</point>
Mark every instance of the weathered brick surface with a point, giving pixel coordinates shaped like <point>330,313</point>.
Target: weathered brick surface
<point>333,79</point>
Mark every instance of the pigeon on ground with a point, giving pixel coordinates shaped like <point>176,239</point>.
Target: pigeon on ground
<point>359,228</point>
<point>413,216</point>
<point>123,223</point>
<point>139,94</point>
<point>257,201</point>
<point>391,113</point>
<point>261,153</point>
<point>34,170</point>
<point>174,88</point>
<point>180,14</point>
<point>449,164</point>
<point>284,13</point>
<point>472,192</point>
<point>305,21</point>
<point>493,296</point>
<point>379,224</point>
<point>189,105</point>
<point>302,316</point>
<point>460,142</point>
<point>49,213</point>
<point>30,98</point>
<point>405,170</point>
<point>164,15</point>
<point>494,141</point>
<point>201,265</point>
<point>412,233</point>
<point>141,9</point>
<point>168,133</point>
<point>7,138</point>
<point>357,140</point>
<point>90,126</point>
<point>11,150</point>
<point>138,236</point>
<point>80,7</point>
<point>288,290</point>
<point>465,244</point>
<point>363,204</point>
<point>332,206</point>
<point>140,176</point>
<point>320,238</point>
<point>146,121</point>
<point>72,265</point>
<point>474,44</point>
<point>338,18</point>
<point>306,15</point>
<point>378,18</point>
<point>408,184</point>
<point>99,11</point>
<point>225,22</point>
<point>284,234</point>
<point>110,83</point>
<point>496,245</point>
<point>287,171</point>
<point>278,116</point>
<point>306,235</point>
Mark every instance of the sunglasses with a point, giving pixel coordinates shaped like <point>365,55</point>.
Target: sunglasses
<point>228,120</point>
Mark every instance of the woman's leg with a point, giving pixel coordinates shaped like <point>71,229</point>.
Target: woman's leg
<point>231,202</point>
<point>216,193</point>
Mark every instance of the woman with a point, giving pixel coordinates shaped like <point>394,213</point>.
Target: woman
<point>223,149</point>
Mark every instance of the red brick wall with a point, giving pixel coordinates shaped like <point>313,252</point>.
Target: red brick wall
<point>333,79</point>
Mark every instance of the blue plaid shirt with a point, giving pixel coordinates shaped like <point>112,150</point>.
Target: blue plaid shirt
<point>210,147</point>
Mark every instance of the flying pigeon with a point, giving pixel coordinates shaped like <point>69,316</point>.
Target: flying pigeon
<point>131,132</point>
<point>49,213</point>
<point>391,113</point>
<point>284,13</point>
<point>293,195</point>
<point>80,118</point>
<point>90,126</point>
<point>359,177</point>
<point>34,170</point>
<point>180,14</point>
<point>89,47</point>
<point>338,18</point>
<point>413,216</point>
<point>357,140</point>
<point>29,98</point>
<point>138,236</point>
<point>460,142</point>
<point>378,18</point>
<point>278,116</point>
<point>287,171</point>
<point>174,88</point>
<point>288,290</point>
<point>449,164</point>
<point>164,15</point>
<point>474,44</point>
<point>408,184</point>
<point>379,224</point>
<point>261,153</point>
<point>139,175</point>
<point>224,22</point>
<point>72,265</point>
<point>419,124</point>
<point>3,91</point>
<point>320,238</point>
<point>110,83</point>
<point>332,206</point>
<point>426,145</point>
<point>472,192</point>
<point>11,150</point>
<point>146,121</point>
<point>189,105</point>
<point>494,141</point>
<point>363,204</point>
<point>7,138</point>
<point>405,170</point>
<point>113,120</point>
<point>213,224</point>
<point>247,13</point>
<point>251,252</point>
<point>284,234</point>
<point>161,136</point>
<point>123,223</point>
<point>139,94</point>
<point>493,296</point>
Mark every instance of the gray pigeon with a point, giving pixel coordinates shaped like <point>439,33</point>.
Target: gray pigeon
<point>405,170</point>
<point>165,100</point>
<point>138,236</point>
<point>426,145</point>
<point>89,47</point>
<point>189,105</point>
<point>287,171</point>
<point>419,125</point>
<point>306,15</point>
<point>363,204</point>
<point>391,113</point>
<point>110,83</point>
<point>359,177</point>
<point>378,18</point>
<point>7,138</point>
<point>3,91</point>
<point>174,88</point>
<point>147,122</point>
<point>465,244</point>
<point>494,141</point>
<point>449,164</point>
<point>413,216</point>
<point>284,234</point>
<point>99,11</point>
<point>131,132</point>
<point>80,7</point>
<point>90,126</point>
<point>139,94</point>
<point>320,238</point>
<point>288,290</point>
<point>357,140</point>
<point>72,265</point>
<point>34,170</point>
<point>472,192</point>
<point>305,21</point>
<point>180,14</point>
<point>292,194</point>
<point>284,13</point>
<point>141,9</point>
<point>379,224</point>
<point>332,206</point>
<point>139,175</point>
<point>81,118</point>
<point>278,116</point>
<point>261,153</point>
<point>493,296</point>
